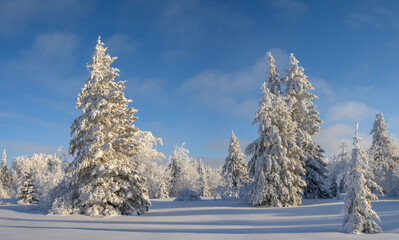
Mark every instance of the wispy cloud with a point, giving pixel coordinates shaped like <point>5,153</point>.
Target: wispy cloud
<point>48,62</point>
<point>228,91</point>
<point>29,119</point>
<point>350,110</point>
<point>332,137</point>
<point>373,15</point>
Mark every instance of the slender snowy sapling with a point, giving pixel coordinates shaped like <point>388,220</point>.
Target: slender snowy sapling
<point>359,217</point>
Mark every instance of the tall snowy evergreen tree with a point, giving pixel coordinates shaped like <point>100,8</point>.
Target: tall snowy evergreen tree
<point>203,180</point>
<point>27,192</point>
<point>234,172</point>
<point>105,181</point>
<point>5,175</point>
<point>304,113</point>
<point>275,165</point>
<point>359,217</point>
<point>382,152</point>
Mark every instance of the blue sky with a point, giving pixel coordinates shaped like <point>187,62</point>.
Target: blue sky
<point>194,68</point>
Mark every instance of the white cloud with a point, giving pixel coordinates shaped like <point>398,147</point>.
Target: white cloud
<point>330,138</point>
<point>350,110</point>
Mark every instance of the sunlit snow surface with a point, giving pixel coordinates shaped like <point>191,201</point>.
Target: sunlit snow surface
<point>207,219</point>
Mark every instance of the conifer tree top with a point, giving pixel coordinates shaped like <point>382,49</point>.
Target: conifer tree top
<point>272,80</point>
<point>379,126</point>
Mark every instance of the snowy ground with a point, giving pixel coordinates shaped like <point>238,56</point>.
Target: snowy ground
<point>207,219</point>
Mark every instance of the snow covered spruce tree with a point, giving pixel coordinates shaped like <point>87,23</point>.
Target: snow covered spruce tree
<point>304,113</point>
<point>359,217</point>
<point>105,182</point>
<point>27,192</point>
<point>382,153</point>
<point>203,181</point>
<point>6,180</point>
<point>234,172</point>
<point>275,165</point>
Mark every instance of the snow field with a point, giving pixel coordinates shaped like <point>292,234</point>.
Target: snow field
<point>207,219</point>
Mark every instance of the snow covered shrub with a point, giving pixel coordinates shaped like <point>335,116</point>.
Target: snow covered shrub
<point>183,171</point>
<point>149,165</point>
<point>187,195</point>
<point>105,181</point>
<point>359,217</point>
<point>45,172</point>
<point>234,171</point>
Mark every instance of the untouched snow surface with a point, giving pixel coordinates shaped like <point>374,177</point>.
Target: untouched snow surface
<point>207,219</point>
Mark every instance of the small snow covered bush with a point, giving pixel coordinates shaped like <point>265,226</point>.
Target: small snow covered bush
<point>187,195</point>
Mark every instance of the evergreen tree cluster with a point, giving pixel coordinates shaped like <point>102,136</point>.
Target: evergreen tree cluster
<point>286,163</point>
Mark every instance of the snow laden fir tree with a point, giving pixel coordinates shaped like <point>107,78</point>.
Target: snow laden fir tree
<point>382,153</point>
<point>359,217</point>
<point>304,113</point>
<point>234,171</point>
<point>275,165</point>
<point>104,180</point>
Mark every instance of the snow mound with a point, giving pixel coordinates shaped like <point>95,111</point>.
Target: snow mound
<point>187,195</point>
